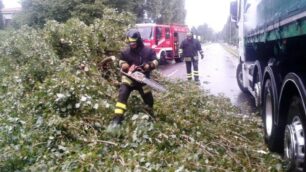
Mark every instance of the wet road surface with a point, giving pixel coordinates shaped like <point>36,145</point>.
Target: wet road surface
<point>217,75</point>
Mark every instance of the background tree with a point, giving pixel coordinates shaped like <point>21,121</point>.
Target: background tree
<point>206,33</point>
<point>230,32</point>
<point>179,12</point>
<point>137,7</point>
<point>88,11</point>
<point>153,9</point>
<point>194,31</point>
<point>165,12</point>
<point>1,16</point>
<point>37,13</point>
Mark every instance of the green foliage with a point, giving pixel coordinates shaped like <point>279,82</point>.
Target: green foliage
<point>159,11</point>
<point>55,108</point>
<point>165,12</point>
<point>137,7</point>
<point>123,5</point>
<point>192,132</point>
<point>89,11</point>
<point>206,33</point>
<point>37,13</point>
<point>28,60</point>
<point>33,57</point>
<point>230,32</point>
<point>47,76</point>
<point>75,38</point>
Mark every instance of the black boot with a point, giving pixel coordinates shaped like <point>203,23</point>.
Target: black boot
<point>150,111</point>
<point>114,126</point>
<point>197,80</point>
<point>117,120</point>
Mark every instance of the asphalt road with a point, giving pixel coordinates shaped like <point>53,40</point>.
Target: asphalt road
<point>217,75</point>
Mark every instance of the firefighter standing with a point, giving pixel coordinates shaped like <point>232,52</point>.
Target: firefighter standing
<point>139,55</point>
<point>189,49</point>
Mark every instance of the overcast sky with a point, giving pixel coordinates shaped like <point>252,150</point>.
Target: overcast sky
<point>11,3</point>
<point>212,12</point>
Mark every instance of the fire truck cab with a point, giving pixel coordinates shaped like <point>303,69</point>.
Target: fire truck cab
<point>164,39</point>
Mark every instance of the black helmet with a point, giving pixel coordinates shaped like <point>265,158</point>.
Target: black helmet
<point>133,35</point>
<point>134,38</point>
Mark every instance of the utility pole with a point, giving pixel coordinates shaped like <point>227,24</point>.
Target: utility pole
<point>230,32</point>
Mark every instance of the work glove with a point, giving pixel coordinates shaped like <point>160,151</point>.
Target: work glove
<point>146,67</point>
<point>125,67</point>
<point>202,54</point>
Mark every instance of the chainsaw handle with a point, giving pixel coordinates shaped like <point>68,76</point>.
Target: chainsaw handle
<point>134,68</point>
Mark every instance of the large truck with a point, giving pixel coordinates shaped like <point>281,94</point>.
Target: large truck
<point>164,39</point>
<point>272,68</point>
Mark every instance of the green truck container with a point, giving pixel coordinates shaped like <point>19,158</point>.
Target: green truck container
<point>275,19</point>
<point>272,68</point>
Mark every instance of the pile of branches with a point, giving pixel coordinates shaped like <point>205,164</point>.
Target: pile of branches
<point>55,108</point>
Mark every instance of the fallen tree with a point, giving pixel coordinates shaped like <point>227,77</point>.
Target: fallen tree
<point>55,108</point>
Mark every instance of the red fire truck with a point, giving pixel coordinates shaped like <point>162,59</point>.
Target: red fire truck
<point>164,39</point>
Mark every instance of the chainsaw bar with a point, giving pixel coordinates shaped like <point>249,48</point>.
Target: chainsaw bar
<point>140,77</point>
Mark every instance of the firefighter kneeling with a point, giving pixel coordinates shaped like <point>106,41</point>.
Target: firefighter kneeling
<point>139,55</point>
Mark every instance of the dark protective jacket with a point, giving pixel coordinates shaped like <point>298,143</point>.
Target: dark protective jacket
<point>140,56</point>
<point>190,47</point>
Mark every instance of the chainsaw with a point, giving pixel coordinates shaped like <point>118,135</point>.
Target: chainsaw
<point>136,73</point>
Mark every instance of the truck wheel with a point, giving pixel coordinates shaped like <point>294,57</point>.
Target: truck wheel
<point>272,131</point>
<point>179,59</point>
<point>269,110</point>
<point>163,59</point>
<point>239,77</point>
<point>294,142</point>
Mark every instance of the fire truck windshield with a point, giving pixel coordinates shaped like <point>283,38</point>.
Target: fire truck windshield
<point>145,32</point>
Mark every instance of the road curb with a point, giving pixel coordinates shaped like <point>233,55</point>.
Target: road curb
<point>234,53</point>
<point>231,50</point>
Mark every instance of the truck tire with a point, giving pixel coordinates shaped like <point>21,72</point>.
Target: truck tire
<point>163,59</point>
<point>292,108</point>
<point>269,111</point>
<point>294,142</point>
<point>239,77</point>
<point>179,59</point>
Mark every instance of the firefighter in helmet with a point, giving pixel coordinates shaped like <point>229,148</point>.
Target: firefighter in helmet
<point>139,55</point>
<point>189,49</point>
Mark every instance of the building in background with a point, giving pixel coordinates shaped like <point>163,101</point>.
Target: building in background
<point>8,14</point>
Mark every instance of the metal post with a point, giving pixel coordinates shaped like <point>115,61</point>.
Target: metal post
<point>230,26</point>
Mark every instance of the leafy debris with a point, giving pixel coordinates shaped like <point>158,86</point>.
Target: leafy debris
<point>55,108</point>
